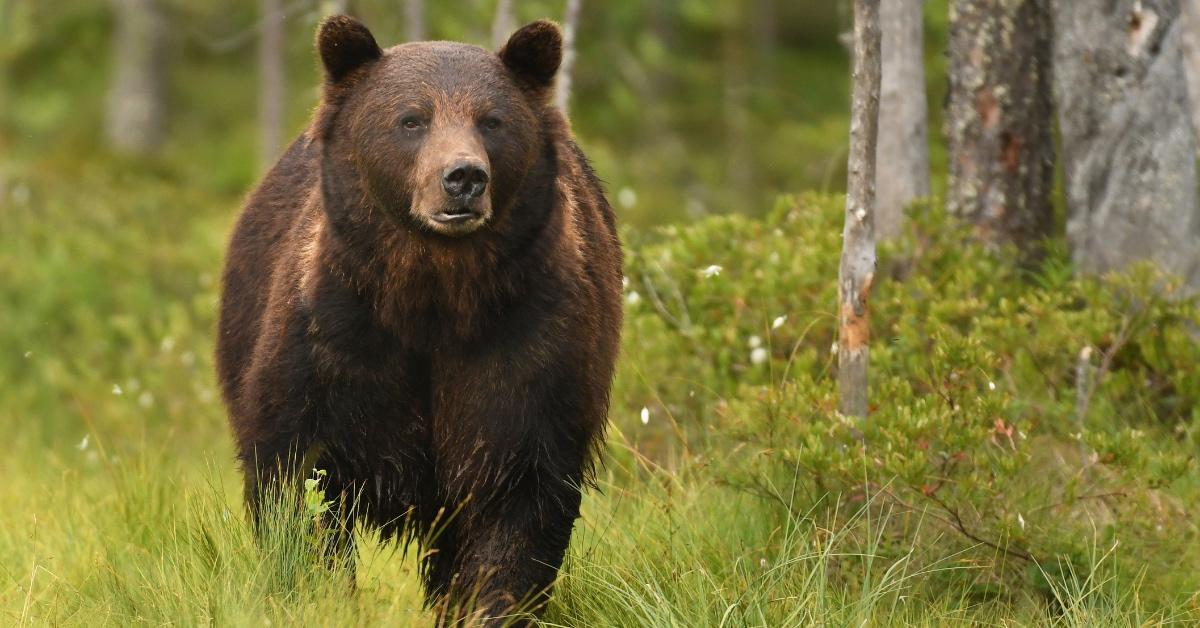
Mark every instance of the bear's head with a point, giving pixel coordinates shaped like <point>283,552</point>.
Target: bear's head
<point>437,136</point>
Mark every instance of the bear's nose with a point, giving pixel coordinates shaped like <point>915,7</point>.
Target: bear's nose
<point>464,179</point>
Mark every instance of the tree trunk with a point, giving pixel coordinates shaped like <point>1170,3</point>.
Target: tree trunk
<point>562,95</point>
<point>1191,57</point>
<point>137,99</point>
<point>736,68</point>
<point>998,119</point>
<point>1129,153</point>
<point>272,70</point>
<point>503,23</point>
<point>335,7</point>
<point>414,16</point>
<point>903,156</point>
<point>857,269</point>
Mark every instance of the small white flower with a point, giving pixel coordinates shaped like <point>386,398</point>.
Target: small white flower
<point>712,271</point>
<point>624,283</point>
<point>645,415</point>
<point>28,354</point>
<point>991,385</point>
<point>779,321</point>
<point>168,343</point>
<point>762,563</point>
<point>755,342</point>
<point>833,349</point>
<point>83,444</point>
<point>145,399</point>
<point>633,298</point>
<point>627,197</point>
<point>759,356</point>
<point>116,389</point>
<point>1021,520</point>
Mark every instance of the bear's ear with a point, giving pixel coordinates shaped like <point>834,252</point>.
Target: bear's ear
<point>533,53</point>
<point>345,45</point>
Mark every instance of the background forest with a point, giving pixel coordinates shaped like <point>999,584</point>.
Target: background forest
<point>1029,455</point>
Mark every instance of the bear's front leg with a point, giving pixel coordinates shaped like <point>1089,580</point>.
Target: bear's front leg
<point>508,546</point>
<point>512,450</point>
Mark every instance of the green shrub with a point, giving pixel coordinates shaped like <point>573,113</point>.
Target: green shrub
<point>1025,419</point>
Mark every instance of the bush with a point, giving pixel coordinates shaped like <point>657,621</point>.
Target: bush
<point>1023,422</point>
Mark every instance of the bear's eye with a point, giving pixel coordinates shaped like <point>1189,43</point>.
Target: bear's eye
<point>411,123</point>
<point>491,123</point>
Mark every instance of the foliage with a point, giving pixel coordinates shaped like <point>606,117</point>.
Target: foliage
<point>1025,418</point>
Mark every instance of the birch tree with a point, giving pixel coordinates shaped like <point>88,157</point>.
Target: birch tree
<point>137,100</point>
<point>272,70</point>
<point>857,269</point>
<point>903,155</point>
<point>1191,57</point>
<point>414,18</point>
<point>503,23</point>
<point>562,95</point>
<point>1129,153</point>
<point>998,118</point>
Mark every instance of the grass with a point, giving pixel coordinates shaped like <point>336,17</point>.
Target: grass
<point>119,499</point>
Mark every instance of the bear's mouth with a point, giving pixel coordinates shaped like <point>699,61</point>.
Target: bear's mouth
<point>456,215</point>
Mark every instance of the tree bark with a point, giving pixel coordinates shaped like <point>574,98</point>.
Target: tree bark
<point>414,16</point>
<point>137,99</point>
<point>503,23</point>
<point>857,270</point>
<point>1129,153</point>
<point>998,119</point>
<point>272,69</point>
<point>562,95</point>
<point>1191,57</point>
<point>903,156</point>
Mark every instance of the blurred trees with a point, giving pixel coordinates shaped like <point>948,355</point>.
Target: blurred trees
<point>570,23</point>
<point>998,119</point>
<point>903,156</point>
<point>503,23</point>
<point>414,20</point>
<point>272,68</point>
<point>1129,149</point>
<point>137,99</point>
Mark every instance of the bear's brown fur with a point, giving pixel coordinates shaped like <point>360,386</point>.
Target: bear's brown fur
<point>423,298</point>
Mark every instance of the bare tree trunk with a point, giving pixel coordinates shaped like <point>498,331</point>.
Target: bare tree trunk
<point>857,269</point>
<point>137,99</point>
<point>999,119</point>
<point>414,16</point>
<point>739,158</point>
<point>562,97</point>
<point>272,71</point>
<point>903,156</point>
<point>503,23</point>
<point>1191,57</point>
<point>335,7</point>
<point>1128,147</point>
<point>764,31</point>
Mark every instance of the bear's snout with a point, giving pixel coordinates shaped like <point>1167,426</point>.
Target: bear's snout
<point>465,180</point>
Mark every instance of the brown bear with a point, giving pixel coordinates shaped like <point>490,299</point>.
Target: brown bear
<point>422,298</point>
